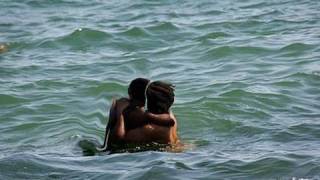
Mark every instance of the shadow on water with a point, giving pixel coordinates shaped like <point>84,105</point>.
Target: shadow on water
<point>89,147</point>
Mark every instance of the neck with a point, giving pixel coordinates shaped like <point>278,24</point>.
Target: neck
<point>136,103</point>
<point>157,111</point>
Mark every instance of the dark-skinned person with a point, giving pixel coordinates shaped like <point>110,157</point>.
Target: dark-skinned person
<point>133,109</point>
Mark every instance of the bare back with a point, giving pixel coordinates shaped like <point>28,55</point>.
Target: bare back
<point>153,133</point>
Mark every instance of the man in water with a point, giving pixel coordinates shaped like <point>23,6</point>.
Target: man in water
<point>127,114</point>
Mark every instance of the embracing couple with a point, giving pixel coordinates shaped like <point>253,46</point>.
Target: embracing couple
<point>130,123</point>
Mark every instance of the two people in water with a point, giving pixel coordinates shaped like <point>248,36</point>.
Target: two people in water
<point>130,123</point>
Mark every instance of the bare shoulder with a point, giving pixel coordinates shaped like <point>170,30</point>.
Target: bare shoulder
<point>121,104</point>
<point>172,116</point>
<point>122,100</point>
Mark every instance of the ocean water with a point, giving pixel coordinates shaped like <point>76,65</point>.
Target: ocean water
<point>247,76</point>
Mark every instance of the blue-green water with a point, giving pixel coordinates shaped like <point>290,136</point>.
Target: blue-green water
<point>247,76</point>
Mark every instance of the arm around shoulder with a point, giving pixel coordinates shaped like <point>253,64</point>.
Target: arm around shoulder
<point>160,119</point>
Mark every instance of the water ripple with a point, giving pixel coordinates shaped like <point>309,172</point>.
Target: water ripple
<point>79,39</point>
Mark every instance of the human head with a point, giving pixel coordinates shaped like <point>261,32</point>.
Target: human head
<point>160,97</point>
<point>137,89</point>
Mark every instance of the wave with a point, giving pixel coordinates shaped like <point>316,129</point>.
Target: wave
<point>9,100</point>
<point>267,14</point>
<point>52,83</point>
<point>259,168</point>
<point>59,3</point>
<point>11,46</point>
<point>139,5</point>
<point>254,5</point>
<point>285,136</point>
<point>79,39</point>
<point>287,84</point>
<point>239,93</point>
<point>266,166</point>
<point>137,17</point>
<point>236,128</point>
<point>36,166</point>
<point>225,51</point>
<point>211,12</point>
<point>284,22</point>
<point>243,24</point>
<point>260,103</point>
<point>163,27</point>
<point>312,130</point>
<point>298,47</point>
<point>306,75</point>
<point>100,88</point>
<point>301,132</point>
<point>229,116</point>
<point>305,78</point>
<point>213,35</point>
<point>135,32</point>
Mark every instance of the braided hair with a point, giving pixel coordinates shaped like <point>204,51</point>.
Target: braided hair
<point>160,97</point>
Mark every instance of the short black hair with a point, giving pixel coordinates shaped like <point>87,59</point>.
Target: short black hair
<point>160,96</point>
<point>137,89</point>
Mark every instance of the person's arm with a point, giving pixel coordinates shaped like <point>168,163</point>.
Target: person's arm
<point>159,119</point>
<point>119,128</point>
<point>111,122</point>
<point>113,129</point>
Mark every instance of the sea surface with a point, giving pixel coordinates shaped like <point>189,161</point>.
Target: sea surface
<point>247,77</point>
